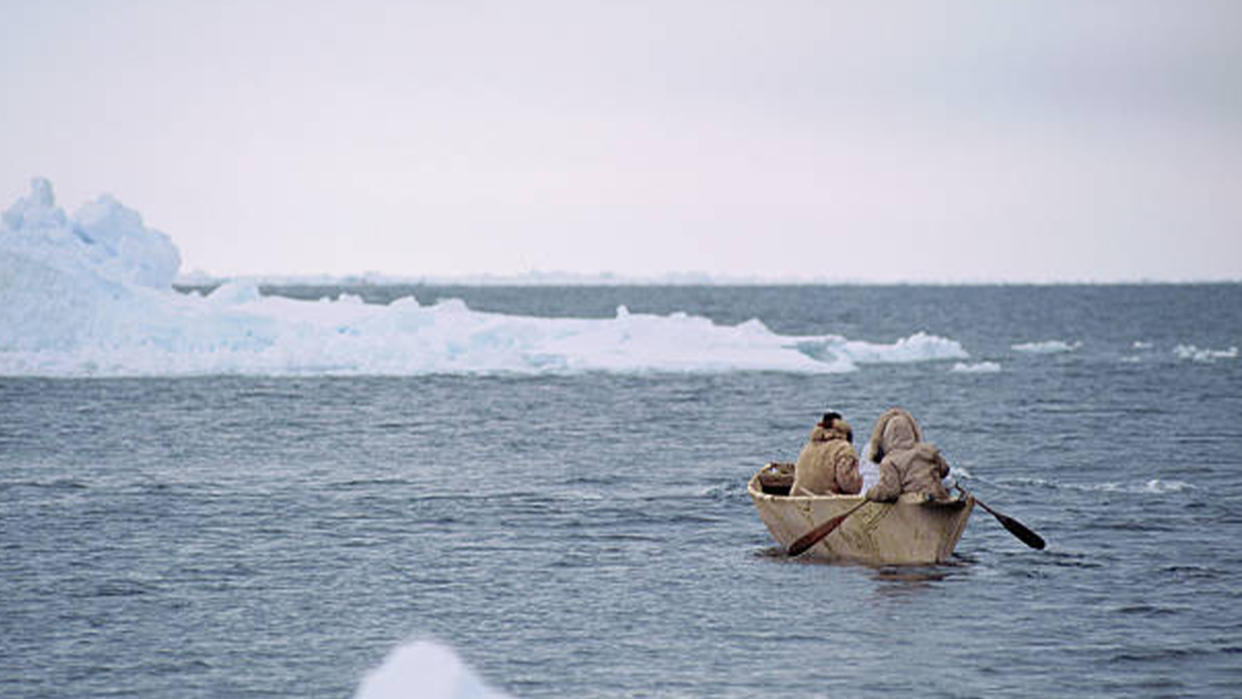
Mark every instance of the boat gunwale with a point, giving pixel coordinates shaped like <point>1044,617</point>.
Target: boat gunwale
<point>756,490</point>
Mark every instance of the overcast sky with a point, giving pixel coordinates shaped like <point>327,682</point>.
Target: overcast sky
<point>922,141</point>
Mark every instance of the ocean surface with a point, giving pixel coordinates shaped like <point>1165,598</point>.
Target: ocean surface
<point>263,532</point>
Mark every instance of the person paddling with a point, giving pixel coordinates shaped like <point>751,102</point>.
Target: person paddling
<point>907,464</point>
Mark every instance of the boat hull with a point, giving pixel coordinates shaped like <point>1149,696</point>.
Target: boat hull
<point>908,531</point>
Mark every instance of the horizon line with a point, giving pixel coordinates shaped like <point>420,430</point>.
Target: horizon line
<point>542,278</point>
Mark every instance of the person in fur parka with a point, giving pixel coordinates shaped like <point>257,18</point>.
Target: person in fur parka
<point>895,430</point>
<point>827,464</point>
<point>907,464</point>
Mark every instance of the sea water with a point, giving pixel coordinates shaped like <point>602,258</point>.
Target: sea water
<point>540,491</point>
<point>590,534</point>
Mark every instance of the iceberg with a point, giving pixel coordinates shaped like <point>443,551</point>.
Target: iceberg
<point>92,295</point>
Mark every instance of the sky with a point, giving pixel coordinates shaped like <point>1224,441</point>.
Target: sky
<point>1045,141</point>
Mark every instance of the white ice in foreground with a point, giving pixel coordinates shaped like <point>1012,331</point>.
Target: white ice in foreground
<point>91,296</point>
<point>423,670</point>
<point>1047,347</point>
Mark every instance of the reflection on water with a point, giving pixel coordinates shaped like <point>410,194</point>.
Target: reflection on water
<point>918,575</point>
<point>899,582</point>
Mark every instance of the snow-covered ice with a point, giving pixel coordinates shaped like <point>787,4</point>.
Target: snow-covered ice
<point>92,295</point>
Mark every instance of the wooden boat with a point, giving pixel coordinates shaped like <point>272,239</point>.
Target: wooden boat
<point>909,531</point>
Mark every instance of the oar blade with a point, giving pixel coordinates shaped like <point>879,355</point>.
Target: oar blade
<point>1015,527</point>
<point>812,537</point>
<point>1019,530</point>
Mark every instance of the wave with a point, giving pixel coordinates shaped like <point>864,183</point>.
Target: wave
<point>92,296</point>
<point>1183,351</point>
<point>1153,486</point>
<point>1196,354</point>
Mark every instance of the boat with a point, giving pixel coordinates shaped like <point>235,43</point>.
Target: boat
<point>909,531</point>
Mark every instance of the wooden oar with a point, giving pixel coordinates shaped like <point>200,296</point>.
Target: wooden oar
<point>812,537</point>
<point>1015,527</point>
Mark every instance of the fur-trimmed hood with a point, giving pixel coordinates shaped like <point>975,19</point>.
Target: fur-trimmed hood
<point>840,430</point>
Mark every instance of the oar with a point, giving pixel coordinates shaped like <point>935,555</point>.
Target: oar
<point>1015,527</point>
<point>812,537</point>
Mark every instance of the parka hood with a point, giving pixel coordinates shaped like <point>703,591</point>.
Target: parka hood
<point>894,431</point>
